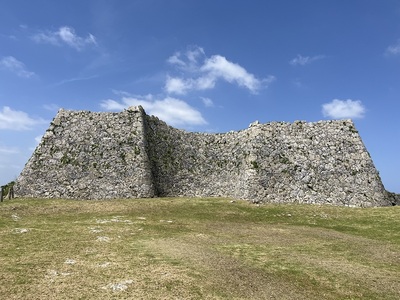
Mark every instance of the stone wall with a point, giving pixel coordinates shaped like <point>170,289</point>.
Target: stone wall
<point>129,155</point>
<point>394,198</point>
<point>88,155</point>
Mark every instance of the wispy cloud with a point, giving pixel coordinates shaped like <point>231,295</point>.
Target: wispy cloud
<point>298,83</point>
<point>65,36</point>
<point>36,143</point>
<point>188,61</point>
<point>344,109</point>
<point>17,120</point>
<point>38,139</point>
<point>69,80</point>
<point>300,60</point>
<point>207,102</point>
<point>394,49</point>
<point>51,107</point>
<point>10,37</point>
<point>174,111</point>
<point>8,150</point>
<point>15,66</point>
<point>201,73</point>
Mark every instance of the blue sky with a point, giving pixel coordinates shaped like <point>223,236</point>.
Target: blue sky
<point>202,65</point>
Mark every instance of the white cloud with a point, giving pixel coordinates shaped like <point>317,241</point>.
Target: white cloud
<point>343,109</point>
<point>188,61</point>
<point>202,75</point>
<point>65,35</point>
<point>207,102</point>
<point>174,111</point>
<point>197,72</point>
<point>178,85</point>
<point>393,50</point>
<point>111,104</point>
<point>17,120</point>
<point>12,64</point>
<point>304,60</point>
<point>175,60</point>
<point>219,67</point>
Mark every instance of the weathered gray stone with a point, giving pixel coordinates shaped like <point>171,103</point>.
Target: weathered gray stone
<point>90,155</point>
<point>394,198</point>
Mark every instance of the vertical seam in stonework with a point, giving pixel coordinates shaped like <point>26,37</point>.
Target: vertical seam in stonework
<point>322,162</point>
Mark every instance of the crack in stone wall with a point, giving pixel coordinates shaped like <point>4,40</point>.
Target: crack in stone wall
<point>88,155</point>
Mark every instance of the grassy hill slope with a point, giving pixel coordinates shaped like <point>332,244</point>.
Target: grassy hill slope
<point>190,248</point>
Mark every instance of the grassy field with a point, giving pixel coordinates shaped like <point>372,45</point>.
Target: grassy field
<point>179,248</point>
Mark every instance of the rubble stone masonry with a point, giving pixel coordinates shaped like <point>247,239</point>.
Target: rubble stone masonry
<point>87,155</point>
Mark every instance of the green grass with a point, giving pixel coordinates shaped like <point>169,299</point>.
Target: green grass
<point>182,248</point>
